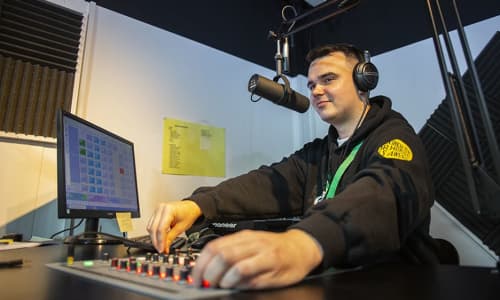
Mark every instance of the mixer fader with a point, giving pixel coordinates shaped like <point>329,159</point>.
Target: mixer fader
<point>159,275</point>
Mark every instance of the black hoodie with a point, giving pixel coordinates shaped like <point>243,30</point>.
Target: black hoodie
<point>381,209</point>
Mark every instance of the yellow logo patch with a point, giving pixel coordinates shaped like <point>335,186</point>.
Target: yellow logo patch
<point>396,149</point>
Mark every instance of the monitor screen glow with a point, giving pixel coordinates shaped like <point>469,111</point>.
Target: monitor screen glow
<point>96,171</point>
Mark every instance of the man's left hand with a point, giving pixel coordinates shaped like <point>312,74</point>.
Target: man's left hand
<point>257,259</point>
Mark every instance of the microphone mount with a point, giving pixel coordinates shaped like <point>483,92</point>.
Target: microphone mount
<point>342,6</point>
<point>285,29</point>
<point>281,56</point>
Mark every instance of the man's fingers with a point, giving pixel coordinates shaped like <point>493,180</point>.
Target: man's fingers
<point>171,235</point>
<point>231,278</point>
<point>152,227</point>
<point>160,225</point>
<point>244,270</point>
<point>222,254</point>
<point>150,222</point>
<point>215,269</point>
<point>253,259</point>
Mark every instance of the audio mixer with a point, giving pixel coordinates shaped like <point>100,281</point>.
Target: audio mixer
<point>158,275</point>
<point>162,275</point>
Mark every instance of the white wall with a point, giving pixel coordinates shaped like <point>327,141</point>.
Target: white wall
<point>133,76</point>
<point>141,74</point>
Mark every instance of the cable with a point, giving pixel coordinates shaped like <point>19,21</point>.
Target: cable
<point>64,230</point>
<point>344,152</point>
<point>73,239</point>
<point>284,17</point>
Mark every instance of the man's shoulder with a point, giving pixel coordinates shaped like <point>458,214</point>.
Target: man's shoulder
<point>316,143</point>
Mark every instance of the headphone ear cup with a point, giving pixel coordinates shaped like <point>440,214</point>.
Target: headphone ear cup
<point>365,76</point>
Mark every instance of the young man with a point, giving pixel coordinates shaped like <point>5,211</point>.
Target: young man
<point>375,208</point>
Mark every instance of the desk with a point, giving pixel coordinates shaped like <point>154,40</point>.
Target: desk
<point>35,281</point>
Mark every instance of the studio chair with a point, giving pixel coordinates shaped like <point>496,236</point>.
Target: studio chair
<point>446,252</point>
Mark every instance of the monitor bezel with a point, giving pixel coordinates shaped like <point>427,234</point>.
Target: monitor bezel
<point>61,178</point>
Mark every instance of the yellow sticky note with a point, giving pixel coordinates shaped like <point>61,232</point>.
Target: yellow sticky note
<point>124,220</point>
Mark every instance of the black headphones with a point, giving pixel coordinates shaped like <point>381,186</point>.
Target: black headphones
<point>365,74</point>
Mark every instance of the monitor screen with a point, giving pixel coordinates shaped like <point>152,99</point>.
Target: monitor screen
<point>95,169</point>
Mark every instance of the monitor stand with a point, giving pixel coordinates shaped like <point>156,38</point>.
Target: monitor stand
<point>91,236</point>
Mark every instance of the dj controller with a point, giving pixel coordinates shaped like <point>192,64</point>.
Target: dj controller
<point>158,275</point>
<point>166,276</point>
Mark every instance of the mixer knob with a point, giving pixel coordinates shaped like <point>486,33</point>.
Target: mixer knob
<point>132,264</point>
<point>183,275</point>
<point>169,272</point>
<point>145,268</point>
<point>123,264</point>
<point>205,284</point>
<point>114,262</point>
<point>138,267</point>
<point>155,270</point>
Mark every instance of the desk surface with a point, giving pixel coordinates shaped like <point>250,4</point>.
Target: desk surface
<point>35,281</point>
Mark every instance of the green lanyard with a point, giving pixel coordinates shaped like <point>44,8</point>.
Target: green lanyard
<point>341,170</point>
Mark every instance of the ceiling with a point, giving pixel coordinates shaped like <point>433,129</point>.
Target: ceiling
<point>241,27</point>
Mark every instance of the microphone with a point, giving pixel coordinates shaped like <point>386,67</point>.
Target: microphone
<point>278,93</point>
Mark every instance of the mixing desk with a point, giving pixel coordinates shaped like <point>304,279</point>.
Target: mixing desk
<point>101,276</point>
<point>158,275</point>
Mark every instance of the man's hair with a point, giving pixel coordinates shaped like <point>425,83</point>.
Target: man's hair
<point>348,50</point>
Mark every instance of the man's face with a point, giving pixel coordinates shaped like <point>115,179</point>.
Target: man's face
<point>333,93</point>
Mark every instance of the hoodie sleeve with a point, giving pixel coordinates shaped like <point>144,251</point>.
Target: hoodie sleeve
<point>271,191</point>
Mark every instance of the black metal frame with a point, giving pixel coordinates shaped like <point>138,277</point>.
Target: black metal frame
<point>281,36</point>
<point>465,129</point>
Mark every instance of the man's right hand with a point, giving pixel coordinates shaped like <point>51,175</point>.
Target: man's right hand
<point>169,220</point>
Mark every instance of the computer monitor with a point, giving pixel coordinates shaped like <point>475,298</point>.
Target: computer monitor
<point>96,174</point>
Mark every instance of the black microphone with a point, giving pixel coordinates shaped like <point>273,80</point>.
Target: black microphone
<point>278,93</point>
